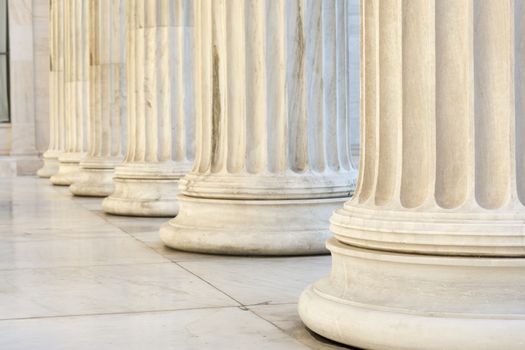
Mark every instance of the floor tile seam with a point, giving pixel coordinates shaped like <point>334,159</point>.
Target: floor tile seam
<point>250,308</point>
<point>144,244</point>
<point>121,313</point>
<point>280,329</point>
<point>283,330</point>
<point>154,249</point>
<point>70,197</point>
<point>196,260</point>
<point>246,307</point>
<point>241,305</point>
<point>99,214</point>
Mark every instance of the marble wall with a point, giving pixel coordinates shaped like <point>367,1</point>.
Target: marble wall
<point>5,138</point>
<point>28,132</point>
<point>41,72</point>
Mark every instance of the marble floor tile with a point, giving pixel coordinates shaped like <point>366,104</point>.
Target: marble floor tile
<point>205,329</point>
<point>90,203</point>
<point>286,318</point>
<point>130,221</point>
<point>152,239</point>
<point>32,233</point>
<point>103,289</point>
<point>47,234</point>
<point>75,252</point>
<point>262,280</point>
<point>64,190</point>
<point>73,277</point>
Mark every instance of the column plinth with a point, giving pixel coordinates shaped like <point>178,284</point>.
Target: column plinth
<point>430,252</point>
<point>68,170</point>
<point>95,177</point>
<point>386,300</point>
<point>145,190</point>
<point>107,100</point>
<point>160,118</point>
<point>250,227</point>
<point>51,164</point>
<point>273,157</point>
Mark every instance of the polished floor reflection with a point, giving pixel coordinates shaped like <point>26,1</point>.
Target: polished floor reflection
<point>73,277</point>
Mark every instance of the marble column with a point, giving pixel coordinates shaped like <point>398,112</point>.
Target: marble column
<point>56,99</point>
<point>76,96</point>
<point>107,99</point>
<point>272,159</point>
<point>430,252</point>
<point>160,109</point>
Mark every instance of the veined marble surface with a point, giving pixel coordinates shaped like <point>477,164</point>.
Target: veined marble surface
<point>73,277</point>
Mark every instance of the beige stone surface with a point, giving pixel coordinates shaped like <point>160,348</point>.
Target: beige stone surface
<point>21,67</point>
<point>29,71</point>
<point>55,87</point>
<point>110,284</point>
<point>5,138</point>
<point>160,109</point>
<point>74,60</point>
<point>107,111</point>
<point>430,253</point>
<point>273,155</point>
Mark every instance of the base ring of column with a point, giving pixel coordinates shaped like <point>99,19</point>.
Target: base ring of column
<point>250,227</point>
<point>381,300</point>
<point>93,183</point>
<point>68,168</point>
<point>433,232</point>
<point>143,197</point>
<point>272,187</point>
<point>50,168</point>
<point>66,175</point>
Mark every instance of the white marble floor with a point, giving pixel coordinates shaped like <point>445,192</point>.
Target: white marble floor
<point>72,277</point>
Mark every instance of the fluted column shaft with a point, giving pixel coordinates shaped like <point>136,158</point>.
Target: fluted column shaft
<point>272,112</point>
<point>76,96</point>
<point>107,99</point>
<point>272,104</point>
<point>160,117</point>
<point>442,123</point>
<point>431,248</point>
<point>60,75</point>
<point>56,100</point>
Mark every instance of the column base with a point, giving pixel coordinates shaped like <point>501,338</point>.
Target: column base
<point>93,183</point>
<point>250,227</point>
<point>440,232</point>
<point>66,175</point>
<point>382,300</point>
<point>143,197</point>
<point>51,165</point>
<point>68,169</point>
<point>287,185</point>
